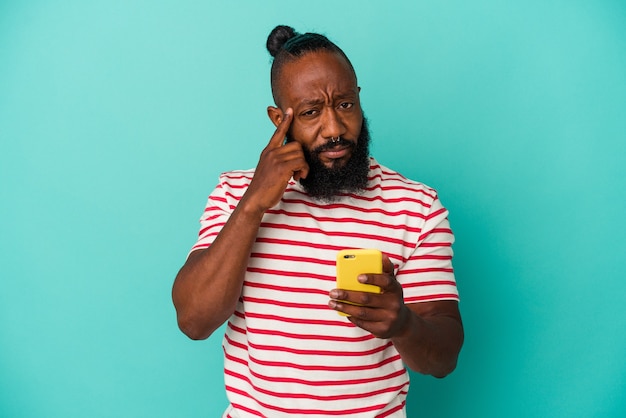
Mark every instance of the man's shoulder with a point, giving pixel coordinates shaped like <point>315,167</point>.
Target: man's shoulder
<point>388,179</point>
<point>237,176</point>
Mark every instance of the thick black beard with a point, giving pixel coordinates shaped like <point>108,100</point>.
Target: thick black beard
<point>328,184</point>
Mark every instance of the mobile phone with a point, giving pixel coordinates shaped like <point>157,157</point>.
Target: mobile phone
<point>352,262</point>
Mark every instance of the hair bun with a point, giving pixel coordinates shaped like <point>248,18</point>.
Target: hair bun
<point>277,38</point>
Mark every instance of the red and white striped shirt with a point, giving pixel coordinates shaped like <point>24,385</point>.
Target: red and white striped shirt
<point>286,353</point>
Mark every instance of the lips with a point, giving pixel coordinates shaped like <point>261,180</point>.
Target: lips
<point>332,154</point>
<point>335,152</point>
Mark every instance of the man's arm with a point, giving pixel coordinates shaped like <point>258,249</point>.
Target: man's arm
<point>208,286</point>
<point>432,338</point>
<point>428,335</point>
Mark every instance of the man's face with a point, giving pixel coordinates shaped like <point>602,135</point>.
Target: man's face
<point>321,89</point>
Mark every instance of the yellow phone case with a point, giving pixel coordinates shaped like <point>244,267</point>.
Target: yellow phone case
<point>351,263</point>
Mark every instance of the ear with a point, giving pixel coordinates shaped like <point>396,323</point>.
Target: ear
<point>275,114</point>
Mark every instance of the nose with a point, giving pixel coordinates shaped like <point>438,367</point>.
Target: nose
<point>332,125</point>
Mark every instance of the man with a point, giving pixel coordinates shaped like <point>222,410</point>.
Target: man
<point>265,258</point>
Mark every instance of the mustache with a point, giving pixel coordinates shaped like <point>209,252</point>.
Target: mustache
<point>330,145</point>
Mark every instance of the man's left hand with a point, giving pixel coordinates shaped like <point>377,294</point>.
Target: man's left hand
<point>383,314</point>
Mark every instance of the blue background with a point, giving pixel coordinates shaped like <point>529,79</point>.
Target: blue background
<point>116,118</point>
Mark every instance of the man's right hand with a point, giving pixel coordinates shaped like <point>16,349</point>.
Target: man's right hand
<point>207,288</point>
<point>277,165</point>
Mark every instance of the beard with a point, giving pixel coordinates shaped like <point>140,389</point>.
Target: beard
<point>329,183</point>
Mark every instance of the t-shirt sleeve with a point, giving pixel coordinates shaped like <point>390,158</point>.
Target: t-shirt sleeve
<point>428,275</point>
<point>216,213</point>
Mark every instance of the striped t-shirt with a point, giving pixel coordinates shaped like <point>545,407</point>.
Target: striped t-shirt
<point>286,353</point>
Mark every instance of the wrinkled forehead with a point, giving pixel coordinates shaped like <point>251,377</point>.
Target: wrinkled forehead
<point>314,74</point>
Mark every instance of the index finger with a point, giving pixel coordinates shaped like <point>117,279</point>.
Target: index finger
<point>281,131</point>
<point>388,266</point>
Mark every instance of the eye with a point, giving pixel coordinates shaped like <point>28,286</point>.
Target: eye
<point>309,112</point>
<point>346,105</point>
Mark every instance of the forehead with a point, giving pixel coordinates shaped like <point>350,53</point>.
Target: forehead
<point>315,76</point>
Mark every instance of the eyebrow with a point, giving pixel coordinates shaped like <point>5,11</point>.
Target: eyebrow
<point>312,102</point>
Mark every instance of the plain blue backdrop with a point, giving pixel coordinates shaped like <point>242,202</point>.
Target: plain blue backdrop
<point>116,118</point>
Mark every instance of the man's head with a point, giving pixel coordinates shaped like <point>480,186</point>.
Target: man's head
<point>285,44</point>
<point>313,76</point>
